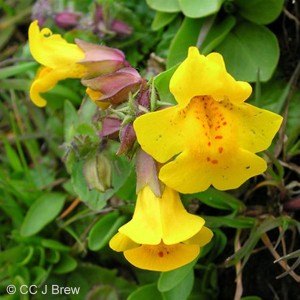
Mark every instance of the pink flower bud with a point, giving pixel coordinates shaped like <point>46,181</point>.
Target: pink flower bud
<point>115,87</point>
<point>127,139</point>
<point>66,19</point>
<point>121,28</point>
<point>100,60</point>
<point>110,126</point>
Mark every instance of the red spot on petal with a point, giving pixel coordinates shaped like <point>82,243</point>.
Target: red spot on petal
<point>214,161</point>
<point>224,123</point>
<point>218,137</point>
<point>160,254</point>
<point>220,149</point>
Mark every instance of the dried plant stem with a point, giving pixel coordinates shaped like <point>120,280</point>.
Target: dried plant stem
<point>283,264</point>
<point>238,268</point>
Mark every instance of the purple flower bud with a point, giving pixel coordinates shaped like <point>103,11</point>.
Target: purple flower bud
<point>116,86</point>
<point>121,28</point>
<point>110,126</point>
<point>127,139</point>
<point>144,95</point>
<point>66,19</point>
<point>100,60</point>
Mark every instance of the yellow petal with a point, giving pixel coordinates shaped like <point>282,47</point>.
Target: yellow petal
<point>120,242</point>
<point>47,78</point>
<point>154,129</point>
<point>95,95</point>
<point>211,142</point>
<point>51,50</point>
<point>201,238</point>
<point>157,219</point>
<point>256,127</point>
<point>162,257</point>
<point>199,76</point>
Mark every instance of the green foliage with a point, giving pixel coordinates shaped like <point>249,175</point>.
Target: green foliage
<point>56,221</point>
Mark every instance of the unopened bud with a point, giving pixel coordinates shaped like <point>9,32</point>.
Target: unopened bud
<point>121,28</point>
<point>115,87</point>
<point>66,19</point>
<point>97,172</point>
<point>100,60</point>
<point>110,127</point>
<point>127,139</point>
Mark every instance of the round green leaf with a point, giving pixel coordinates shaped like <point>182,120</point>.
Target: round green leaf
<point>186,36</point>
<point>43,211</point>
<point>146,292</point>
<point>165,5</point>
<point>199,8</point>
<point>66,264</point>
<point>260,11</point>
<point>162,19</point>
<point>169,280</point>
<point>250,52</point>
<point>104,229</point>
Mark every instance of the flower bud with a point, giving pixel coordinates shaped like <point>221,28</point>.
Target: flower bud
<point>97,172</point>
<point>127,139</point>
<point>110,127</point>
<point>100,60</point>
<point>121,28</point>
<point>66,19</point>
<point>114,87</point>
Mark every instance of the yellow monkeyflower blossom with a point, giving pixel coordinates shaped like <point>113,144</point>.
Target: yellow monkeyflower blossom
<point>162,235</point>
<point>212,135</point>
<point>58,57</point>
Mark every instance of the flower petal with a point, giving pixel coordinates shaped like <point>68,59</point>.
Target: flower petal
<point>47,78</point>
<point>213,141</point>
<point>164,218</point>
<point>120,242</point>
<point>201,238</point>
<point>51,50</point>
<point>160,133</point>
<point>162,257</point>
<point>199,75</point>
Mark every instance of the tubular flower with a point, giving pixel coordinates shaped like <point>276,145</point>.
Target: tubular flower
<point>211,136</point>
<point>58,57</point>
<point>162,235</point>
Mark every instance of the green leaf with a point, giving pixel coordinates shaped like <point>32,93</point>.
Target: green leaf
<point>243,55</point>
<point>187,36</point>
<point>182,290</point>
<point>66,264</point>
<point>161,83</point>
<point>260,11</point>
<point>217,34</point>
<point>16,69</point>
<point>12,157</point>
<point>230,221</point>
<point>162,19</point>
<point>199,8</point>
<point>104,229</point>
<point>54,245</point>
<point>219,199</point>
<point>42,212</point>
<point>165,6</point>
<point>169,280</point>
<point>70,120</point>
<point>146,292</point>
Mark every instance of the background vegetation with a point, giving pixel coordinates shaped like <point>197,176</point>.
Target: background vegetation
<point>56,230</point>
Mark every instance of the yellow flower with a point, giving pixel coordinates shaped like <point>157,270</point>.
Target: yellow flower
<point>162,235</point>
<point>58,57</point>
<point>211,136</point>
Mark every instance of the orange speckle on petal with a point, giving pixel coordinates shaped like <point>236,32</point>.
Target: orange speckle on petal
<point>220,149</point>
<point>209,144</point>
<point>214,161</point>
<point>218,137</point>
<point>208,158</point>
<point>160,254</point>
